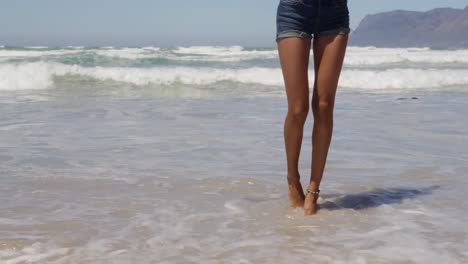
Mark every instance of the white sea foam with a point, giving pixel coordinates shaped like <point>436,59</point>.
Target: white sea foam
<point>374,56</point>
<point>35,53</point>
<point>170,75</point>
<point>126,53</point>
<point>221,53</point>
<point>370,48</point>
<point>404,78</point>
<point>36,47</point>
<point>356,56</point>
<point>210,50</point>
<point>75,47</point>
<point>37,252</point>
<point>40,75</point>
<point>25,76</point>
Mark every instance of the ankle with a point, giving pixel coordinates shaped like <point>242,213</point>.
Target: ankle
<point>313,186</point>
<point>315,193</point>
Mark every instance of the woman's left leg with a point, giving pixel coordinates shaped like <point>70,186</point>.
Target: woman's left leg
<point>329,52</point>
<point>294,55</point>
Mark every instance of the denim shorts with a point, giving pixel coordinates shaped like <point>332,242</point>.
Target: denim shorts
<point>307,18</point>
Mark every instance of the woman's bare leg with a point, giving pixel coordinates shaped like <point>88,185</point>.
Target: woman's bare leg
<point>294,57</point>
<point>329,52</point>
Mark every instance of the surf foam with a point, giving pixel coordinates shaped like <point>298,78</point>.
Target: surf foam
<point>356,56</point>
<point>40,75</point>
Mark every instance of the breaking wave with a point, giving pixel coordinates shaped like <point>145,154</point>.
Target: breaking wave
<point>42,75</point>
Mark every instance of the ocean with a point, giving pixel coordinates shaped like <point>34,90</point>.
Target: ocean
<point>176,155</point>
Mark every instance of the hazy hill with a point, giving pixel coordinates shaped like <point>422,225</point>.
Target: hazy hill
<point>439,28</point>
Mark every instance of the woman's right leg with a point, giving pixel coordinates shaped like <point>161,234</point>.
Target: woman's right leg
<point>294,55</point>
<point>329,53</point>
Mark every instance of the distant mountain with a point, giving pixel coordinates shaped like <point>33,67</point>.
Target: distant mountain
<point>437,28</point>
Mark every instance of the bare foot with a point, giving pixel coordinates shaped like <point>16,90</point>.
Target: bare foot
<point>296,193</point>
<point>310,203</point>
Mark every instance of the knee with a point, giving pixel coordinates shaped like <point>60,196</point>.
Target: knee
<point>323,109</point>
<point>298,113</point>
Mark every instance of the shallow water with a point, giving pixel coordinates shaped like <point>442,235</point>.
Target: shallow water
<point>138,179</point>
<point>176,155</point>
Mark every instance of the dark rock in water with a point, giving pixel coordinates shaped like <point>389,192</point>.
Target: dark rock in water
<point>437,28</point>
<point>404,98</point>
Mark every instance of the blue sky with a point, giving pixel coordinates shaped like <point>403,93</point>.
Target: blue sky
<point>163,22</point>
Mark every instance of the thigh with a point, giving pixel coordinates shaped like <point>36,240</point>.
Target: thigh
<point>329,53</point>
<point>294,58</point>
